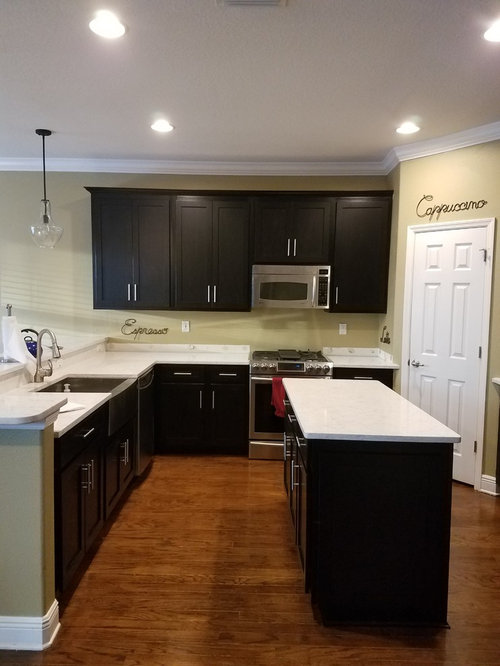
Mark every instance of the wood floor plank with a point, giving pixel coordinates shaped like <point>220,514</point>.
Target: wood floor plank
<point>200,569</point>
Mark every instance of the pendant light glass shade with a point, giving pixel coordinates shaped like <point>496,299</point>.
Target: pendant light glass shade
<point>45,234</point>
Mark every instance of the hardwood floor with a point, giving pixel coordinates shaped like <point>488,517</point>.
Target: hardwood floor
<point>200,569</point>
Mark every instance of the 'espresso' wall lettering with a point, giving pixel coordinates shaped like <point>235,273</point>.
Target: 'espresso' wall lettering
<point>128,329</point>
<point>437,209</point>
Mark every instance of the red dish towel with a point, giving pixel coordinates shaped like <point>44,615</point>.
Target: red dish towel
<point>278,396</point>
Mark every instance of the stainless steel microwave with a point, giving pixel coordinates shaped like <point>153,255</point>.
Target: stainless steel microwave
<point>290,286</point>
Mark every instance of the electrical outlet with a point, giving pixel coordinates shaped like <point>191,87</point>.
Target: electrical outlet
<point>185,326</point>
<point>342,329</point>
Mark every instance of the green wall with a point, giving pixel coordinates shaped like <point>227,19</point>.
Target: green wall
<point>460,175</point>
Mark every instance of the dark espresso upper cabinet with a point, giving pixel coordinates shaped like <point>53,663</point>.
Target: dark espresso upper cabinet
<point>211,253</point>
<point>361,254</point>
<point>131,250</point>
<point>292,230</point>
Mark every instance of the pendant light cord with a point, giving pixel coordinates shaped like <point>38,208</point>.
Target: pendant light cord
<point>43,162</point>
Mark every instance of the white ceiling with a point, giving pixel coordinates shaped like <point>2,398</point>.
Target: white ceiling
<point>316,86</point>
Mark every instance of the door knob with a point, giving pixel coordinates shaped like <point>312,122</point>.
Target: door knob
<point>417,364</point>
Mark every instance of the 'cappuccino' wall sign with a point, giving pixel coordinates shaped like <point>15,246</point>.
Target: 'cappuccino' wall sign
<point>436,209</point>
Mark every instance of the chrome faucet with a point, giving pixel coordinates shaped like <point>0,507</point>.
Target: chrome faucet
<point>56,353</point>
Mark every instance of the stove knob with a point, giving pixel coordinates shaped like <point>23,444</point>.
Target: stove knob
<point>309,368</point>
<point>264,366</point>
<point>326,369</point>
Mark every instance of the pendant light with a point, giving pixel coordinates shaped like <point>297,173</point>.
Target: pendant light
<point>45,234</point>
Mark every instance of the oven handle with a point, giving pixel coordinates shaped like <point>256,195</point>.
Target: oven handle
<point>261,379</point>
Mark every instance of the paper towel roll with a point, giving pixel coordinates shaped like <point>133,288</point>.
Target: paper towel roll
<point>13,343</point>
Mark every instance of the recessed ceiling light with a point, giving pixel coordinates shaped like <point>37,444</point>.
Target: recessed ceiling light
<point>106,24</point>
<point>162,125</point>
<point>408,127</point>
<point>493,32</point>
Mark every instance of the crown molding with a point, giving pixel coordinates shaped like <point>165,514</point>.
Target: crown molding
<point>199,167</point>
<point>410,151</point>
<point>445,144</point>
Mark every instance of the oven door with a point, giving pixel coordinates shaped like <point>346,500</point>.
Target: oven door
<point>264,424</point>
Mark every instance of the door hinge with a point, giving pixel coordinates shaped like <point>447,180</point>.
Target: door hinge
<point>480,352</point>
<point>475,446</point>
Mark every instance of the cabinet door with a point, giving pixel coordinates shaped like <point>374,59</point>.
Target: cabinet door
<point>131,250</point>
<point>93,495</point>
<point>193,283</point>
<point>230,260</point>
<point>151,284</point>
<point>310,231</point>
<point>272,244</point>
<point>229,417</point>
<point>118,468</point>
<point>70,531</point>
<point>112,243</point>
<point>180,417</point>
<point>361,255</point>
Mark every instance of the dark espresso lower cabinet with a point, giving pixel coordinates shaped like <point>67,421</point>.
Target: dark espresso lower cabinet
<point>384,375</point>
<point>372,527</point>
<point>201,408</point>
<point>78,492</point>
<point>118,465</point>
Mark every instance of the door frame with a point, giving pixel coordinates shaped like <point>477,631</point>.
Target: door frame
<point>456,225</point>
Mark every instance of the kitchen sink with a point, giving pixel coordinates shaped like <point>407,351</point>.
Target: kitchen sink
<point>85,384</point>
<point>123,400</point>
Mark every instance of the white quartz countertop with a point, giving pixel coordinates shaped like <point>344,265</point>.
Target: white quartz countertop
<point>24,405</point>
<point>496,380</point>
<point>359,357</point>
<point>361,410</point>
<point>22,408</point>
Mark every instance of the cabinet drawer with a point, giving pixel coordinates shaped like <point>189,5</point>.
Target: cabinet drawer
<point>180,373</point>
<point>236,374</point>
<point>92,428</point>
<point>384,375</point>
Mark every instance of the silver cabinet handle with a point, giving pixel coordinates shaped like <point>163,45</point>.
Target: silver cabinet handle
<point>208,293</point>
<point>417,364</point>
<point>128,291</point>
<point>336,295</point>
<point>85,483</point>
<point>201,399</point>
<point>135,291</point>
<point>213,399</point>
<point>184,374</point>
<point>87,434</point>
<point>294,247</point>
<point>215,293</point>
<point>288,247</point>
<point>123,457</point>
<point>361,377</point>
<point>227,374</point>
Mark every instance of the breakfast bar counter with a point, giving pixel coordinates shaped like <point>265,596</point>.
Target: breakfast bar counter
<point>369,477</point>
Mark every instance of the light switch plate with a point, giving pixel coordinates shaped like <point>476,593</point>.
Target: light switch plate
<point>185,326</point>
<point>342,329</point>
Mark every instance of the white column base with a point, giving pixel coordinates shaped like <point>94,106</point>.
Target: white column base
<point>29,633</point>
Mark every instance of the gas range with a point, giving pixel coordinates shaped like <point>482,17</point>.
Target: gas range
<point>290,362</point>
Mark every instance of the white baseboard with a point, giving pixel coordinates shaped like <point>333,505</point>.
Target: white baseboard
<point>29,633</point>
<point>489,485</point>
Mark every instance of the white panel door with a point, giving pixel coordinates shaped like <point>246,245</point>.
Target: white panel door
<point>445,334</point>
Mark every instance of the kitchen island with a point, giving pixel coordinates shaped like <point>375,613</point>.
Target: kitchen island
<point>368,476</point>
